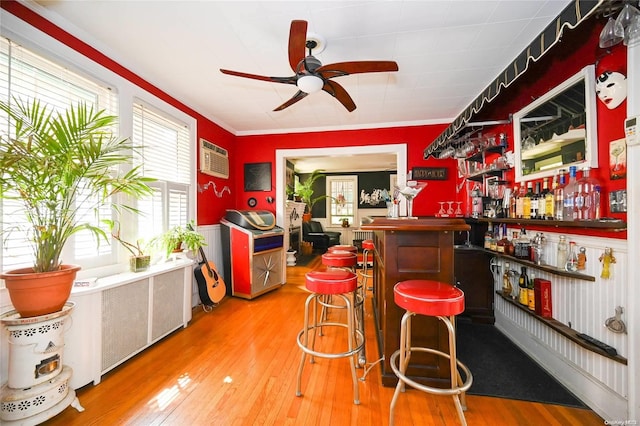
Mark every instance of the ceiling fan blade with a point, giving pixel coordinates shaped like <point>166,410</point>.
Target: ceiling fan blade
<point>298,96</point>
<point>297,43</point>
<point>338,92</point>
<point>284,80</point>
<point>356,67</point>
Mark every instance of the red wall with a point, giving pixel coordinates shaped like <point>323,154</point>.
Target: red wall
<point>255,149</point>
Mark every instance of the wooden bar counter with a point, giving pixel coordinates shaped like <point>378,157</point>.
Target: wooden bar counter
<point>411,249</point>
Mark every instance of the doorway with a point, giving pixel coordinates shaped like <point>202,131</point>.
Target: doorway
<point>399,150</point>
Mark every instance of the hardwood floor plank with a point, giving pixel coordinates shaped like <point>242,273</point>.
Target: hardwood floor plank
<point>184,379</point>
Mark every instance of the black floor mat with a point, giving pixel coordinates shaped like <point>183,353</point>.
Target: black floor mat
<point>502,369</point>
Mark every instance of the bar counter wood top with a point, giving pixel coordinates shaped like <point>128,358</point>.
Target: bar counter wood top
<point>407,249</point>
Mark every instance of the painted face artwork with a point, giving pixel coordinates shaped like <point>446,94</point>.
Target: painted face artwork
<point>611,88</point>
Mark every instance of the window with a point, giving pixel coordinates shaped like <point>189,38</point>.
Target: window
<point>164,154</point>
<point>343,201</point>
<point>26,75</point>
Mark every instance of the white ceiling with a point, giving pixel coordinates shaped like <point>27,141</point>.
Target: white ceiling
<point>447,53</point>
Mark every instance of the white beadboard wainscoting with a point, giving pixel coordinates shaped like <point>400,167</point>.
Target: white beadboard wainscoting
<point>213,251</point>
<point>602,383</point>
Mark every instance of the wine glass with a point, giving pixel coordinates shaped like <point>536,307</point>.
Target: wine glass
<point>442,211</point>
<point>458,211</point>
<point>450,209</point>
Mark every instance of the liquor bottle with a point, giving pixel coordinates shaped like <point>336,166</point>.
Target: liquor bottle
<point>558,195</point>
<point>523,284</point>
<point>569,194</point>
<point>510,249</point>
<point>572,260</point>
<point>487,236</point>
<point>585,199</point>
<point>535,206</point>
<point>526,201</point>
<point>507,287</point>
<point>512,202</point>
<point>549,201</point>
<point>493,243</point>
<point>531,296</point>
<point>563,253</point>
<point>520,203</point>
<point>522,245</point>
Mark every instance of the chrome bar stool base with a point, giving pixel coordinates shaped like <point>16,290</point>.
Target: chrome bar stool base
<point>441,300</point>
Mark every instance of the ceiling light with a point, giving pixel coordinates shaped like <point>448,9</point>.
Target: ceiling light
<point>310,83</point>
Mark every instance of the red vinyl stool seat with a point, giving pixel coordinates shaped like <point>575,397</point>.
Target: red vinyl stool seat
<point>340,259</point>
<point>435,299</point>
<point>430,298</point>
<point>343,247</point>
<point>368,245</point>
<point>335,283</point>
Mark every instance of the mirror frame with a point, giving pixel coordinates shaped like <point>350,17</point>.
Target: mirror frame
<point>587,76</point>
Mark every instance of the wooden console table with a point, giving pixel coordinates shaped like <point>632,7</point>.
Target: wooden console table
<point>412,249</point>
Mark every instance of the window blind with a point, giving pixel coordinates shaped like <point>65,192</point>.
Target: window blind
<point>27,76</point>
<point>163,152</point>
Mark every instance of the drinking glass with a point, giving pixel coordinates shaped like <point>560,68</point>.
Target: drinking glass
<point>410,192</point>
<point>458,211</point>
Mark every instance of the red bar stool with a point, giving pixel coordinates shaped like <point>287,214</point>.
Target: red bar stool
<point>343,247</point>
<point>340,259</point>
<point>434,299</point>
<point>348,260</point>
<point>367,247</point>
<point>338,283</point>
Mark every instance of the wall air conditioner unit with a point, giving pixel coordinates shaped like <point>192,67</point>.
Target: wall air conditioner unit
<point>214,160</point>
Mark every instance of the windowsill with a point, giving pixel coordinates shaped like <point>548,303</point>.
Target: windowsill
<point>116,280</point>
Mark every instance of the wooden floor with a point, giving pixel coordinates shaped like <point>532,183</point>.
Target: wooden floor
<point>238,364</point>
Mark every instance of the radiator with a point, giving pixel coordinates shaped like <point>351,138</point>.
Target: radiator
<point>362,235</point>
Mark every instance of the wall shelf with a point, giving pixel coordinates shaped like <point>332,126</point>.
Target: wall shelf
<point>563,329</point>
<point>613,225</point>
<point>547,268</point>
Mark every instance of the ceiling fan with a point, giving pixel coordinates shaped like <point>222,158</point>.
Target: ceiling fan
<point>311,76</point>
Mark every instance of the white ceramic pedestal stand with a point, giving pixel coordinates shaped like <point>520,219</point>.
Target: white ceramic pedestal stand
<point>291,258</point>
<point>38,385</point>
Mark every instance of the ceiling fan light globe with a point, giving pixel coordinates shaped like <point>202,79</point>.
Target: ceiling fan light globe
<point>310,83</point>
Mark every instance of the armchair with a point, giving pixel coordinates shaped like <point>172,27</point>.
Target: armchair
<point>312,232</point>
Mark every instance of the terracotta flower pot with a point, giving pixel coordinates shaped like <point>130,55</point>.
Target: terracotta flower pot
<point>39,293</point>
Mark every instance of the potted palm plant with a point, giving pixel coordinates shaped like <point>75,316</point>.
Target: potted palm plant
<point>305,191</point>
<point>55,165</point>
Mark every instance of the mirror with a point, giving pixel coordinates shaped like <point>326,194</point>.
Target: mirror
<point>558,130</point>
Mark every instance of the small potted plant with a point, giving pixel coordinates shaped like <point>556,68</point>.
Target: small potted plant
<point>179,237</point>
<point>138,261</point>
<point>49,161</point>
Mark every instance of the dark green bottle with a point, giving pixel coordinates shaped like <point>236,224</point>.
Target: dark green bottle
<point>523,283</point>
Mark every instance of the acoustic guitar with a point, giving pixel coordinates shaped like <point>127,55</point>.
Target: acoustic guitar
<point>211,287</point>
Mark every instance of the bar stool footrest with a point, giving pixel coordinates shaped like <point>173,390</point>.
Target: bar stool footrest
<point>330,355</point>
<point>454,390</point>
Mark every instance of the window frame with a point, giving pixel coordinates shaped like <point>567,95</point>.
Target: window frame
<point>331,201</point>
<point>127,92</point>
